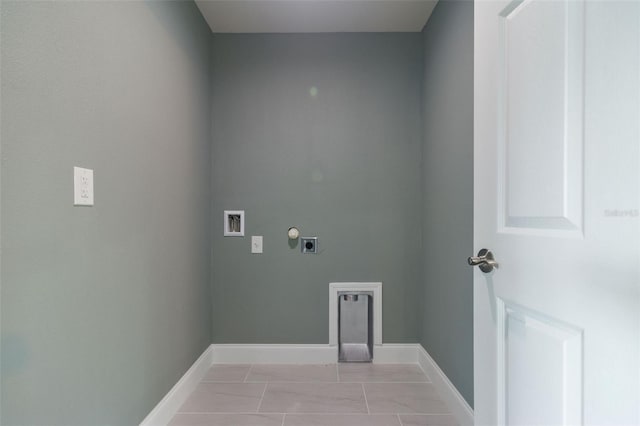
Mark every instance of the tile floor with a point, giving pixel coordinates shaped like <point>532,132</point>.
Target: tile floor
<point>314,395</point>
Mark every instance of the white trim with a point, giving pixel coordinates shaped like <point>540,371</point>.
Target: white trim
<point>169,405</point>
<point>408,353</point>
<point>455,402</point>
<point>274,354</point>
<point>335,288</point>
<point>307,354</point>
<point>395,353</point>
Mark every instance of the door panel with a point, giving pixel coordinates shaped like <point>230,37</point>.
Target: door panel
<point>557,200</point>
<point>539,365</point>
<point>541,116</point>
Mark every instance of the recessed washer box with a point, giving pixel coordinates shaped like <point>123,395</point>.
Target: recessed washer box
<point>309,244</point>
<point>234,223</point>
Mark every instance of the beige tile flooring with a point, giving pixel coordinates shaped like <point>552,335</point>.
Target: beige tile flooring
<point>314,395</point>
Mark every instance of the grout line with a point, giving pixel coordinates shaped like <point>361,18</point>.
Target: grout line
<point>247,375</point>
<point>312,382</point>
<point>227,413</point>
<point>311,413</point>
<point>316,413</point>
<point>262,397</point>
<point>365,398</point>
<point>317,382</point>
<point>387,382</point>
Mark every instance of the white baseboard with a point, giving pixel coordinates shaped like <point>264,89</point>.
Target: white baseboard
<point>410,353</point>
<point>395,353</point>
<point>273,354</point>
<point>456,403</point>
<point>165,410</point>
<point>306,354</point>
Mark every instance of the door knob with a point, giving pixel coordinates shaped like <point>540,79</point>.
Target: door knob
<point>484,260</point>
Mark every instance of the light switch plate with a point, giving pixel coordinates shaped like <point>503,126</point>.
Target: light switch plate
<point>82,187</point>
<point>256,244</point>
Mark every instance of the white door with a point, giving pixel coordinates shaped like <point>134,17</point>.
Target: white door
<point>557,182</point>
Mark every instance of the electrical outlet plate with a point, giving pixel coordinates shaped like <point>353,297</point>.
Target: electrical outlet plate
<point>82,187</point>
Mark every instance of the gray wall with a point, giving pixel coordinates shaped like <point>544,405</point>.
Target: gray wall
<point>343,165</point>
<point>103,308</point>
<point>447,185</point>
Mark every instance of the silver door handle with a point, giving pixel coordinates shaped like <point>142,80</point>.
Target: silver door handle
<point>484,260</point>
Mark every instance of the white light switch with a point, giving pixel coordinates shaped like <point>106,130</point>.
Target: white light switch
<point>256,244</point>
<point>82,187</point>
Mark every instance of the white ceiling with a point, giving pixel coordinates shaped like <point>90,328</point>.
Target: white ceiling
<point>315,16</point>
